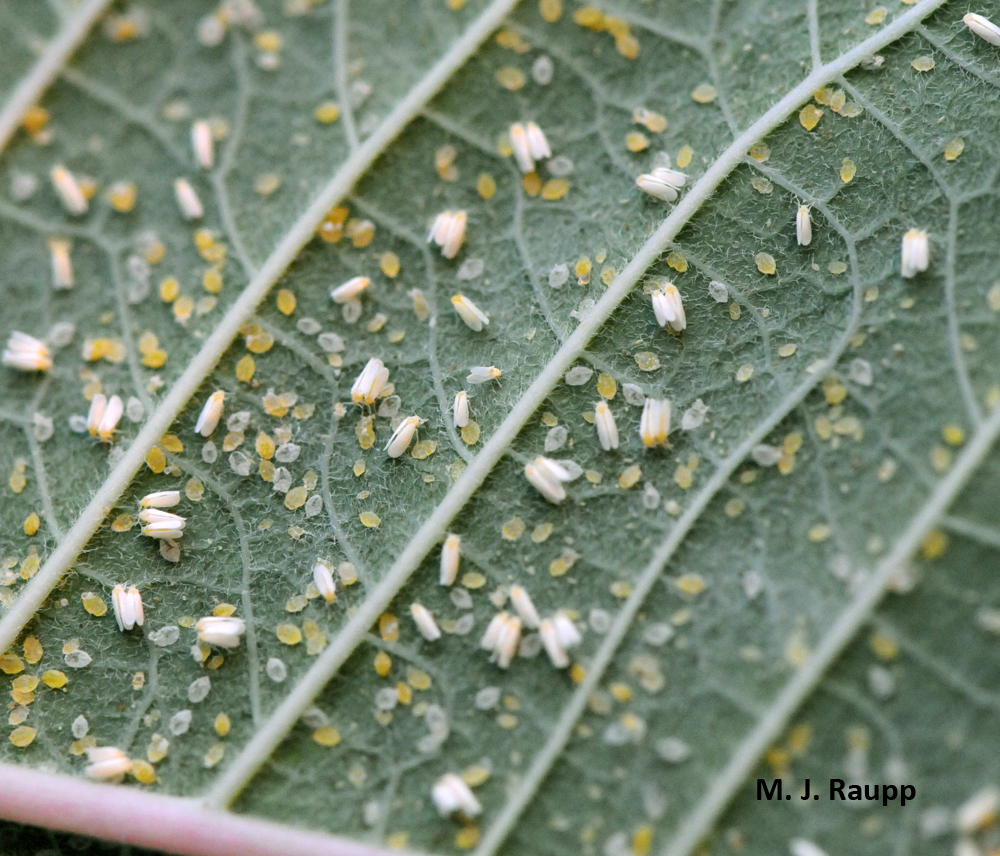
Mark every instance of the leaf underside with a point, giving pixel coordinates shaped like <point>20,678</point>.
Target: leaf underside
<point>776,555</point>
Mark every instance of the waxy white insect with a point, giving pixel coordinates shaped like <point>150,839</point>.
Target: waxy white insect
<point>668,308</point>
<point>524,606</point>
<point>164,525</point>
<point>98,404</point>
<point>451,553</point>
<point>607,429</point>
<point>70,193</point>
<point>26,353</point>
<point>62,264</point>
<point>654,427</point>
<point>349,291</point>
<point>983,27</point>
<point>210,414</point>
<point>978,811</point>
<point>547,477</point>
<point>401,438</point>
<point>107,763</point>
<point>323,577</point>
<point>529,144</point>
<point>110,418</point>
<point>425,622</point>
<point>187,200</point>
<point>803,226</point>
<point>472,315</point>
<point>663,183</point>
<point>502,636</point>
<point>160,499</point>
<point>553,647</point>
<point>203,144</point>
<point>483,374</point>
<point>915,255</point>
<point>558,635</point>
<point>450,795</point>
<point>448,232</point>
<point>127,606</point>
<point>221,632</point>
<point>461,409</point>
<point>370,383</point>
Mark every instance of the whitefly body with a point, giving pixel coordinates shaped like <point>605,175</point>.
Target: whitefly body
<point>448,232</point>
<point>211,413</point>
<point>662,183</point>
<point>370,383</point>
<point>668,308</point>
<point>474,317</point>
<point>221,632</point>
<point>350,290</point>
<point>425,622</point>
<point>62,264</point>
<point>451,554</point>
<point>654,426</point>
<point>164,525</point>
<point>524,606</point>
<point>483,374</point>
<point>461,409</point>
<point>107,763</point>
<point>803,226</point>
<point>73,199</point>
<point>983,27</point>
<point>187,200</point>
<point>160,499</point>
<point>110,418</point>
<point>548,477</point>
<point>203,144</point>
<point>323,578</point>
<point>26,353</point>
<point>401,438</point>
<point>127,606</point>
<point>915,253</point>
<point>451,795</point>
<point>607,428</point>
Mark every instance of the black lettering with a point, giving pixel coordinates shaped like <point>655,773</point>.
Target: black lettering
<point>886,796</point>
<point>854,792</point>
<point>836,788</point>
<point>907,792</point>
<point>874,796</point>
<point>768,793</point>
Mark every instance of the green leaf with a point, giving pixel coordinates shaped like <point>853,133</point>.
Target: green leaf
<point>847,409</point>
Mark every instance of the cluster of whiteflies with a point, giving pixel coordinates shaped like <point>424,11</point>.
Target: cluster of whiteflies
<point>160,524</point>
<point>503,634</point>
